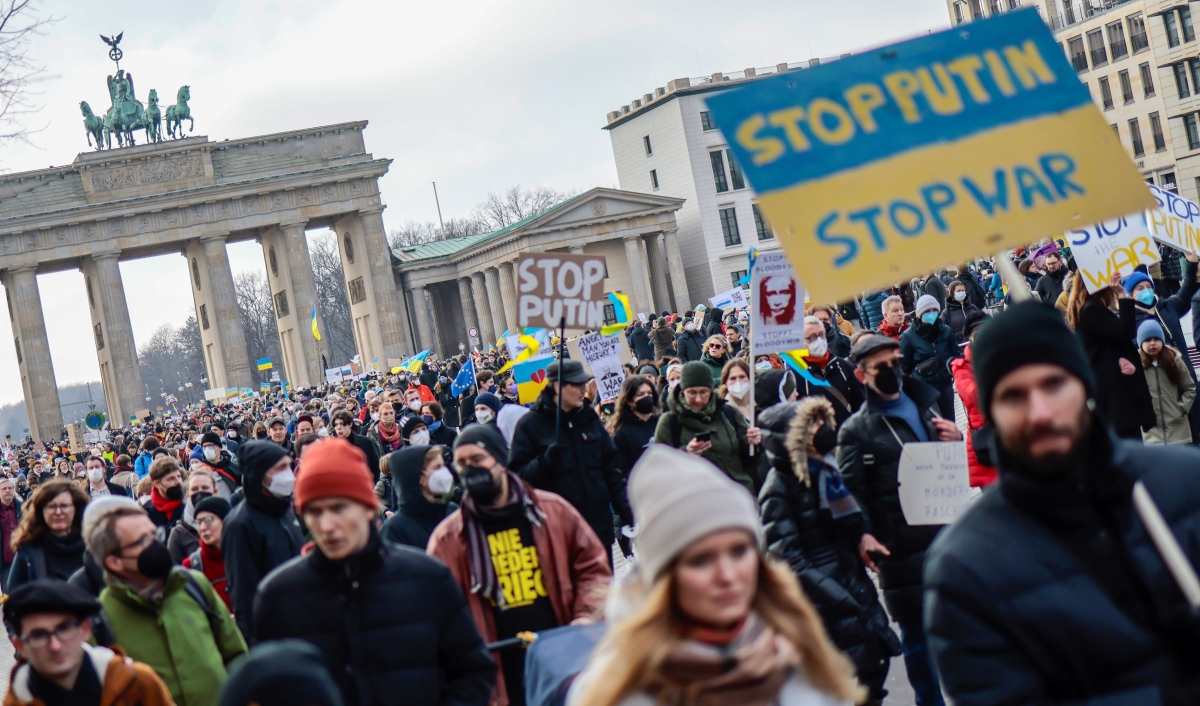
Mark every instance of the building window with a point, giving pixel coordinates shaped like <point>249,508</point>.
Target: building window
<point>1078,56</point>
<point>1095,40</point>
<point>1135,135</point>
<point>1171,24</point>
<point>1160,141</point>
<point>1116,41</point>
<point>735,174</point>
<point>1181,82</point>
<point>204,316</point>
<point>281,304</point>
<point>718,167</point>
<point>1137,33</point>
<point>1105,93</point>
<point>1126,86</point>
<point>976,10</point>
<point>646,142</point>
<point>1193,131</point>
<point>654,179</point>
<point>17,341</point>
<point>729,226</point>
<point>610,314</point>
<point>99,338</point>
<point>358,292</point>
<point>1147,80</point>
<point>1185,23</point>
<point>1194,71</point>
<point>996,8</point>
<point>1167,181</point>
<point>958,15</point>
<point>706,121</point>
<point>1116,131</point>
<point>1014,4</point>
<point>737,276</point>
<point>761,225</point>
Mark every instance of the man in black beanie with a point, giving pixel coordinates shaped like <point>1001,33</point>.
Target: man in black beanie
<point>1048,590</point>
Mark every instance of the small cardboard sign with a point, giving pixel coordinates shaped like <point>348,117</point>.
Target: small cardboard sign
<point>778,305</point>
<point>733,300</point>
<point>935,483</point>
<point>1116,245</point>
<point>603,355</point>
<point>554,286</point>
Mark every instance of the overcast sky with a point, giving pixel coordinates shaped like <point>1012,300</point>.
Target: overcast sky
<point>475,95</point>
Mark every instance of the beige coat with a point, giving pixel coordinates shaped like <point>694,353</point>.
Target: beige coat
<point>1171,404</point>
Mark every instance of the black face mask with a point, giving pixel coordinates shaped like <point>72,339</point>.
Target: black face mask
<point>260,436</point>
<point>175,493</point>
<point>155,561</point>
<point>199,498</point>
<point>825,440</point>
<point>480,484</point>
<point>644,405</point>
<point>887,380</point>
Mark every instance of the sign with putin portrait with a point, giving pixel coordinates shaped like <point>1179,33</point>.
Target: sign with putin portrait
<point>778,304</point>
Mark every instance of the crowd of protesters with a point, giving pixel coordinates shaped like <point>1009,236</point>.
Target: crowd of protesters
<point>389,539</point>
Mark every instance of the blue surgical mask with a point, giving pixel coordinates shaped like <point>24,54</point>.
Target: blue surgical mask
<point>1146,296</point>
<point>929,317</point>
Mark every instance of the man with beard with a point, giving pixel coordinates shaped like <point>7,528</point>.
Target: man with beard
<point>1050,286</point>
<point>1049,590</point>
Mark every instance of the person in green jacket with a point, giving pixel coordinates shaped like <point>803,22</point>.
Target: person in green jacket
<point>693,410</point>
<point>168,617</point>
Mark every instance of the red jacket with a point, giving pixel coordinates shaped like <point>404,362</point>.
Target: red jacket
<point>964,382</point>
<point>213,568</point>
<point>574,563</point>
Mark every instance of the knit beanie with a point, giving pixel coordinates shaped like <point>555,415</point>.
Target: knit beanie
<point>1149,329</point>
<point>409,424</point>
<point>696,374</point>
<point>281,673</point>
<point>679,498</point>
<point>217,506</point>
<point>1133,280</point>
<point>210,437</point>
<point>487,436</point>
<point>1024,334</point>
<point>489,400</point>
<point>334,468</point>
<point>926,302</point>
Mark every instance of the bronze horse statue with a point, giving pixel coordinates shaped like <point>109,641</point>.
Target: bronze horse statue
<point>179,112</point>
<point>93,124</point>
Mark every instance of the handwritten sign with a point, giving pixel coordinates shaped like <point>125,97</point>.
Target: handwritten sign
<point>778,305</point>
<point>554,286</point>
<point>1175,221</point>
<point>881,166</point>
<point>1116,245</point>
<point>603,355</point>
<point>934,482</point>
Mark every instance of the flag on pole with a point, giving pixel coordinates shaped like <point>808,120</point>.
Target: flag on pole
<point>531,349</point>
<point>413,364</point>
<point>465,379</point>
<point>265,364</point>
<point>621,310</point>
<point>316,332</point>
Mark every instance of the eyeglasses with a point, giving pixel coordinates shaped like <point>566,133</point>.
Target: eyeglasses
<point>206,520</point>
<point>142,543</point>
<point>59,507</point>
<point>38,639</point>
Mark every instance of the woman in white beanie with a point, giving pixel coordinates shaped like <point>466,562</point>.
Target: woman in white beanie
<point>718,622</point>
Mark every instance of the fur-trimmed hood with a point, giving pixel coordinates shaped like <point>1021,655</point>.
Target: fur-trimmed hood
<point>809,411</point>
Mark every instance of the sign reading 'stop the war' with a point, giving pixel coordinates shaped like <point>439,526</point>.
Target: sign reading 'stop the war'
<point>890,163</point>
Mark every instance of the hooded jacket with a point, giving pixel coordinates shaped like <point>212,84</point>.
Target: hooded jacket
<point>730,452</point>
<point>123,682</point>
<point>663,339</point>
<point>259,534</point>
<point>416,517</point>
<point>964,381</point>
<point>1171,403</point>
<point>923,342</point>
<point>1123,401</point>
<point>639,341</point>
<point>690,345</point>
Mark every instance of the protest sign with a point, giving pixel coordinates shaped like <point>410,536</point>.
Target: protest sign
<point>602,354</point>
<point>1175,221</point>
<point>333,375</point>
<point>625,353</point>
<point>732,300</point>
<point>216,394</point>
<point>552,286</point>
<point>1117,245</point>
<point>934,482</point>
<point>890,163</point>
<point>530,376</point>
<point>778,305</point>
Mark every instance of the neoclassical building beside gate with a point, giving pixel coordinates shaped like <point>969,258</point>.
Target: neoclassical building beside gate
<point>192,196</point>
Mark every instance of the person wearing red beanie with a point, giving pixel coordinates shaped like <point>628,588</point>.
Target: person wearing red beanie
<point>353,578</point>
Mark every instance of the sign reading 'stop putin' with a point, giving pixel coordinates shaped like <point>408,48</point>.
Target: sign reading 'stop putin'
<point>893,162</point>
<point>553,287</point>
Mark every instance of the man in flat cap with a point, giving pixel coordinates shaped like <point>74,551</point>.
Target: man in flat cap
<point>49,621</point>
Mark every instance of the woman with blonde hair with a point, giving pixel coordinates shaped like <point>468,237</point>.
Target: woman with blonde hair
<point>711,620</point>
<point>717,352</point>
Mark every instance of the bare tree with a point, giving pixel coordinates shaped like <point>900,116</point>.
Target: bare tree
<point>19,23</point>
<point>333,296</point>
<point>413,233</point>
<point>516,204</point>
<point>257,312</point>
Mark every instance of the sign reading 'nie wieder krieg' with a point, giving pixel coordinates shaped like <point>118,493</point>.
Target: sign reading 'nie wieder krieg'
<point>884,165</point>
<point>554,286</point>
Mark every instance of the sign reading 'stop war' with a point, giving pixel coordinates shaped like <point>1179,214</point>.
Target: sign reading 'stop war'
<point>552,287</point>
<point>954,145</point>
<point>1115,246</point>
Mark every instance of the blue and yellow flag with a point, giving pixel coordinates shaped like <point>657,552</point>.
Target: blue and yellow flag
<point>621,310</point>
<point>316,332</point>
<point>413,364</point>
<point>795,361</point>
<point>265,364</point>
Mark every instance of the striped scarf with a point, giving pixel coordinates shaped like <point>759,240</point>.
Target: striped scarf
<point>479,555</point>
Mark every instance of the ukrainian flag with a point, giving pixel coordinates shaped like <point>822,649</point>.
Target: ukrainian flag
<point>621,309</point>
<point>265,364</point>
<point>413,364</point>
<point>315,330</point>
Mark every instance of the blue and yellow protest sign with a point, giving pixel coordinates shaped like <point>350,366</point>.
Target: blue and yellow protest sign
<point>884,165</point>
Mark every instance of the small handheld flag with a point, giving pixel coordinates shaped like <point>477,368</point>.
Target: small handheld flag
<point>316,332</point>
<point>413,364</point>
<point>465,378</point>
<point>265,364</point>
<point>621,310</point>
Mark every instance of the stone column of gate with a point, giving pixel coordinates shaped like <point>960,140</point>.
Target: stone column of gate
<point>468,306</point>
<point>33,350</point>
<point>118,336</point>
<point>675,268</point>
<point>500,321</point>
<point>638,275</point>
<point>228,321</point>
<point>387,303</point>
<point>304,300</point>
<point>424,316</point>
<point>508,290</point>
<point>483,311</point>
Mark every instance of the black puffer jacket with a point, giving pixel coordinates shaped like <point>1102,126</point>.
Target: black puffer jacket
<point>416,517</point>
<point>921,344</point>
<point>259,534</point>
<point>869,460</point>
<point>632,439</point>
<point>639,341</point>
<point>391,622</point>
<point>1048,590</point>
<point>822,550</point>
<point>587,476</point>
<point>689,345</point>
<point>839,373</point>
<point>1122,401</point>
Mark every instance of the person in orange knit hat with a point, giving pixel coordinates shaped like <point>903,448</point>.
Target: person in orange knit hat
<point>413,640</point>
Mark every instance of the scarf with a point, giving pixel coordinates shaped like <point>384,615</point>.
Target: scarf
<point>748,671</point>
<point>387,437</point>
<point>479,555</point>
<point>893,331</point>
<point>164,505</point>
